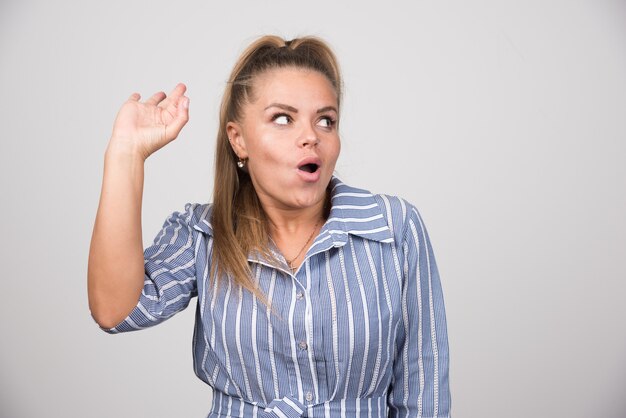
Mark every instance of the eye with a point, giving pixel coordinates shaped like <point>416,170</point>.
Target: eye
<point>327,122</point>
<point>281,119</point>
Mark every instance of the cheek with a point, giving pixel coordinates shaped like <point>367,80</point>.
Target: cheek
<point>267,155</point>
<point>259,146</point>
<point>270,158</point>
<point>334,150</point>
<point>274,148</point>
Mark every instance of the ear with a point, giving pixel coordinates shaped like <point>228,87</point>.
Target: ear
<point>235,137</point>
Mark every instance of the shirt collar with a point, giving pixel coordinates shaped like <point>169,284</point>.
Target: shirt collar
<point>203,222</point>
<point>353,211</point>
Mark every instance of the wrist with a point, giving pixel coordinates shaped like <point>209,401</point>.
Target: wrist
<point>123,148</point>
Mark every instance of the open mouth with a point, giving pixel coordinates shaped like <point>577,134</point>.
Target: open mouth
<point>309,168</point>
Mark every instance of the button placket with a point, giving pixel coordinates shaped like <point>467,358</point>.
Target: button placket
<point>308,396</point>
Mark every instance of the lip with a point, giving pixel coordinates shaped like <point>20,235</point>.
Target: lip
<point>305,175</point>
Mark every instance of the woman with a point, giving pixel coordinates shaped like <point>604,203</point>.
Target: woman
<point>315,298</point>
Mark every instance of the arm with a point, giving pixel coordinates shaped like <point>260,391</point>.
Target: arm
<point>116,267</point>
<point>169,280</point>
<point>420,382</point>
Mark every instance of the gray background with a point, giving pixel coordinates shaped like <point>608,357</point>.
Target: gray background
<point>502,121</point>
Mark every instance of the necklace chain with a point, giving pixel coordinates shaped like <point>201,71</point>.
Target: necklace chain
<point>290,262</point>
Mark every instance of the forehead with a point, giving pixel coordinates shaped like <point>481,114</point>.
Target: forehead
<point>293,86</point>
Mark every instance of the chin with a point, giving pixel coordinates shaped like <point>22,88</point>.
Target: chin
<point>311,197</point>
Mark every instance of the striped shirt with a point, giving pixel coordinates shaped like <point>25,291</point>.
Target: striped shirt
<point>359,330</point>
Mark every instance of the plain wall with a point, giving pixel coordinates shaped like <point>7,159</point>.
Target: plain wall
<point>502,121</point>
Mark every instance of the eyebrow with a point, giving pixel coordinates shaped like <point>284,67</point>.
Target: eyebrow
<point>294,110</point>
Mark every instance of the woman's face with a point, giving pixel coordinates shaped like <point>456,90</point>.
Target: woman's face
<point>288,133</point>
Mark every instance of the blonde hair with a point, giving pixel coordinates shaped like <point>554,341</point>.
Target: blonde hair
<point>238,220</point>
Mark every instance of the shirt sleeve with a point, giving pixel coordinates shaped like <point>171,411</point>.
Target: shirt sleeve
<point>170,274</point>
<point>420,370</point>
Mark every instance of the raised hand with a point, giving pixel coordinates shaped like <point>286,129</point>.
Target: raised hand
<point>144,128</point>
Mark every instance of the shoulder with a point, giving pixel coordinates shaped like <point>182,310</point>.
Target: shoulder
<point>398,212</point>
<point>200,217</point>
<point>195,216</point>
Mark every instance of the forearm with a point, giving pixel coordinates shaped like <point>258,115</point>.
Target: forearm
<point>116,265</point>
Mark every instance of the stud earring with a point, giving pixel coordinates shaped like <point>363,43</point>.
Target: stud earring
<point>242,162</point>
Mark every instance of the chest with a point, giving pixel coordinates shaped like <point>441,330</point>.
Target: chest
<point>340,309</point>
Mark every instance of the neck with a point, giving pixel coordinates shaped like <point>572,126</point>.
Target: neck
<point>293,230</point>
<point>294,221</point>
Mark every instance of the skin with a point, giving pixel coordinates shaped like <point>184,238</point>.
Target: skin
<point>274,145</point>
<point>116,268</point>
<point>293,115</point>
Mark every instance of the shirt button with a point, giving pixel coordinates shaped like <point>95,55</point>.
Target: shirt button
<point>302,345</point>
<point>299,295</point>
<point>308,396</point>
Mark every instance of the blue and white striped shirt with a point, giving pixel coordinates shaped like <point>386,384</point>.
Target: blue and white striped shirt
<point>359,330</point>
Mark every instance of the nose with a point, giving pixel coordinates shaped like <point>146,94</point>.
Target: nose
<point>308,137</point>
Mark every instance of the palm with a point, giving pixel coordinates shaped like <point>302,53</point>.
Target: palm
<point>150,125</point>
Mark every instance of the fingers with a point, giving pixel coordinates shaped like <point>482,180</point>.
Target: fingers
<point>172,109</point>
<point>178,91</point>
<point>174,96</point>
<point>156,98</point>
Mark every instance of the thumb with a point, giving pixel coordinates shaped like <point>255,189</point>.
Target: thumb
<point>182,116</point>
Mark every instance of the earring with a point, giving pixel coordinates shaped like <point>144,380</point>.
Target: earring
<point>242,162</point>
